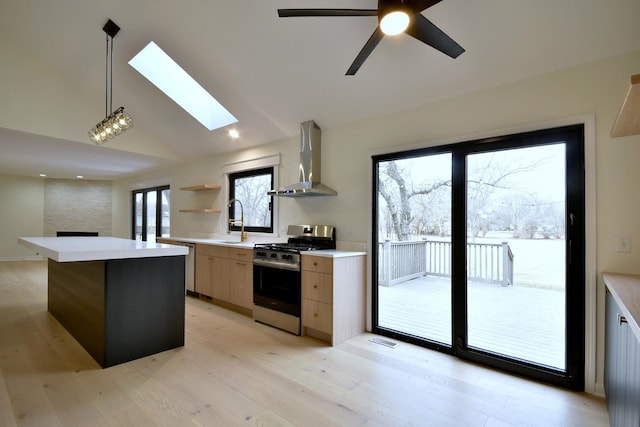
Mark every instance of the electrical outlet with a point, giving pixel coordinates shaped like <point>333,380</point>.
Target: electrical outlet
<point>623,244</point>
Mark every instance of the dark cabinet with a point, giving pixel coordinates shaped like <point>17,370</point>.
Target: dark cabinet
<point>622,368</point>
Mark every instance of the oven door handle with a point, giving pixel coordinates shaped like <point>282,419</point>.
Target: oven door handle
<point>276,265</point>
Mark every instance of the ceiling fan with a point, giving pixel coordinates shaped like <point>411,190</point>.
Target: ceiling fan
<point>394,17</point>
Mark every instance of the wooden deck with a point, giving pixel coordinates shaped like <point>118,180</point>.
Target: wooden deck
<point>521,322</point>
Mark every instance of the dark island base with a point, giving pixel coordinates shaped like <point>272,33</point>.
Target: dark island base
<point>120,310</point>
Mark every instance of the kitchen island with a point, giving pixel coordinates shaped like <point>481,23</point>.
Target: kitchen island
<point>120,299</point>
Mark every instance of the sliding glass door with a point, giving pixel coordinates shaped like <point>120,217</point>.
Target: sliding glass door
<point>414,229</point>
<point>516,252</point>
<point>478,251</point>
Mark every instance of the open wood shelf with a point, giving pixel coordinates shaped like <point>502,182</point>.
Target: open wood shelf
<point>207,211</point>
<point>628,121</point>
<point>203,187</point>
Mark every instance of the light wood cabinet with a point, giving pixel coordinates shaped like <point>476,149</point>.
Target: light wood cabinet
<point>240,282</point>
<point>333,297</point>
<point>204,272</point>
<point>226,275</point>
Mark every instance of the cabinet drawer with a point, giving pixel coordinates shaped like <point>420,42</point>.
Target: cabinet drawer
<point>317,315</point>
<point>317,286</point>
<point>317,263</point>
<point>239,254</point>
<point>209,250</point>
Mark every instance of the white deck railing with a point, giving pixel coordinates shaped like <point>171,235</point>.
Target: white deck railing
<point>401,261</point>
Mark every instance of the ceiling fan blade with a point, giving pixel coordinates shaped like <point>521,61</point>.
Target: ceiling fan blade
<point>420,5</point>
<point>366,51</point>
<point>425,31</point>
<point>288,13</point>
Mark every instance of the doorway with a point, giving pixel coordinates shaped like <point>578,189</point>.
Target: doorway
<point>151,214</point>
<point>479,251</point>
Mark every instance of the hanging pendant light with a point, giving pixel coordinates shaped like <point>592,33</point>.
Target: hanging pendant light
<point>115,122</point>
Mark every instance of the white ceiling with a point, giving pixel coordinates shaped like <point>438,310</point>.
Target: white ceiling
<point>273,73</point>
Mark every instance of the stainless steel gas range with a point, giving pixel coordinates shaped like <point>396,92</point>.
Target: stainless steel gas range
<point>277,275</point>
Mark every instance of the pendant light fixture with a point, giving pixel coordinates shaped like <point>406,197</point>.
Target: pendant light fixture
<point>115,122</point>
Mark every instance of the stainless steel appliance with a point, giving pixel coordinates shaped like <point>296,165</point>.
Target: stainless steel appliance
<point>309,168</point>
<point>277,275</point>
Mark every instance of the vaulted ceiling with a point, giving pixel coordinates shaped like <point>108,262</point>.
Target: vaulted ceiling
<point>271,73</point>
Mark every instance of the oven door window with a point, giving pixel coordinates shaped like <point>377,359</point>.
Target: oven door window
<point>277,289</point>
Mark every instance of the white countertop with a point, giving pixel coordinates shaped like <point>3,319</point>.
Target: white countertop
<point>69,249</point>
<point>329,253</point>
<point>230,242</point>
<point>333,253</point>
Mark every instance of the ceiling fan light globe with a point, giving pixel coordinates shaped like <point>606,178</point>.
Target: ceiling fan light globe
<point>394,22</point>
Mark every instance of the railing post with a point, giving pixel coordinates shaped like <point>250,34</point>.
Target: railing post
<point>424,256</point>
<point>387,262</point>
<point>506,265</point>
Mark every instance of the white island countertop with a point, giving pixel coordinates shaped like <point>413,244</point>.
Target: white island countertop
<point>70,249</point>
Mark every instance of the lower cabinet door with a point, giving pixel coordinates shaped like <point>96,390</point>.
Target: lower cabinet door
<point>622,368</point>
<point>241,289</point>
<point>204,264</point>
<point>632,375</point>
<point>317,315</point>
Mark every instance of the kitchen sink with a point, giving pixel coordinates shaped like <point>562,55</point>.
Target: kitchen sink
<point>233,242</point>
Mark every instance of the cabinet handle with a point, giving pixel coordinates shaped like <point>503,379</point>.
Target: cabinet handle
<point>315,286</point>
<point>315,264</point>
<point>315,314</point>
<point>621,319</point>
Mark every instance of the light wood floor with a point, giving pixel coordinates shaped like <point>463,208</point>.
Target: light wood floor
<point>233,371</point>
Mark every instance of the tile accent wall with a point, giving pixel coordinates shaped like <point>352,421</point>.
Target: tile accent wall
<point>75,205</point>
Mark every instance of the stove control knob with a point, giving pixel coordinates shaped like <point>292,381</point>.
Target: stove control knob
<point>274,255</point>
<point>287,257</point>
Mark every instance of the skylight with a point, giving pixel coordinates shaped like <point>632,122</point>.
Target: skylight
<point>170,78</point>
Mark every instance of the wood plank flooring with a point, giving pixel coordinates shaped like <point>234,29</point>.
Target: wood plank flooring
<point>235,372</point>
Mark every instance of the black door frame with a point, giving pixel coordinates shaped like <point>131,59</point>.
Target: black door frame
<point>574,138</point>
<point>144,192</point>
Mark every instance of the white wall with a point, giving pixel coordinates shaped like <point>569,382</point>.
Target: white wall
<point>596,88</point>
<point>24,75</point>
<point>21,214</point>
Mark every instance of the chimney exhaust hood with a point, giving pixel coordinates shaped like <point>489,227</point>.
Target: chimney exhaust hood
<point>308,168</point>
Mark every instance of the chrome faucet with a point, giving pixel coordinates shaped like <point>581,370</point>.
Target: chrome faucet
<point>232,221</point>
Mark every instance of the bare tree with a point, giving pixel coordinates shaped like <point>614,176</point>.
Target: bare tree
<point>397,190</point>
<point>487,175</point>
<point>252,192</point>
<point>402,197</point>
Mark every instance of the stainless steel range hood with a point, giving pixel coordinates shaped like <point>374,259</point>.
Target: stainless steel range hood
<point>308,168</point>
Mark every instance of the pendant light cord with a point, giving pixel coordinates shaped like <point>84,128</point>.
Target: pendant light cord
<point>106,78</point>
<point>111,79</point>
<point>108,81</point>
